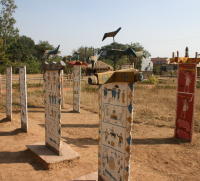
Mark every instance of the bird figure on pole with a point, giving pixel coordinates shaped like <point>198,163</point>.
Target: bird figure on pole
<point>51,52</point>
<point>111,34</point>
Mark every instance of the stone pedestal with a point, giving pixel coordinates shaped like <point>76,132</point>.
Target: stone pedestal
<point>50,160</point>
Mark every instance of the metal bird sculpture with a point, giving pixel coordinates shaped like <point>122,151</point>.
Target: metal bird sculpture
<point>54,52</point>
<point>116,54</point>
<point>119,53</point>
<point>111,34</point>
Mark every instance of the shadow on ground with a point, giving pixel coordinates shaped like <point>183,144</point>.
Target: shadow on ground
<point>4,120</point>
<point>81,142</point>
<point>12,133</point>
<point>77,125</point>
<point>20,157</point>
<point>156,141</point>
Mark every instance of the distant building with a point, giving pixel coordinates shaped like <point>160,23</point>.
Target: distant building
<point>161,65</point>
<point>147,65</point>
<point>160,60</point>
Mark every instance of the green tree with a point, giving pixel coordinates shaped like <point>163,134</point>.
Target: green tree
<point>7,21</point>
<point>85,52</point>
<point>116,61</point>
<point>21,50</point>
<point>41,47</point>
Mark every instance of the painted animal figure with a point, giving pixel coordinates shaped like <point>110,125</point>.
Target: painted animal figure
<point>111,34</point>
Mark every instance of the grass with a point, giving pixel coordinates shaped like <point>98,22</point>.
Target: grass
<point>155,104</point>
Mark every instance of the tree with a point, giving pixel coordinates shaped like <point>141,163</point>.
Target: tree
<point>116,61</point>
<point>41,47</point>
<point>85,52</point>
<point>21,50</point>
<point>7,21</point>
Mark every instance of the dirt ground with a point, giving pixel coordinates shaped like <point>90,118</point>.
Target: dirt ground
<point>155,154</point>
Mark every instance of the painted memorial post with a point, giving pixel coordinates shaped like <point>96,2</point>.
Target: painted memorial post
<point>76,88</point>
<point>76,84</point>
<point>116,119</point>
<point>186,85</point>
<point>9,93</point>
<point>53,153</point>
<point>116,115</point>
<point>52,81</point>
<point>23,98</point>
<point>185,100</point>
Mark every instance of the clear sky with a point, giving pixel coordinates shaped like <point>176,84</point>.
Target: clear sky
<point>161,26</point>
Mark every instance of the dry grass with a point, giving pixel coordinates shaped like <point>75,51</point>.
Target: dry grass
<point>154,105</point>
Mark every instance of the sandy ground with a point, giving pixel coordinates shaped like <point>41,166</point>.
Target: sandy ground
<point>155,154</point>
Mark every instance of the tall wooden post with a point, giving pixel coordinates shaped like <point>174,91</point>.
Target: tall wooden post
<point>23,98</point>
<point>116,119</point>
<point>62,89</point>
<point>9,93</point>
<point>186,86</point>
<point>76,88</point>
<point>52,96</point>
<point>185,100</point>
<point>116,116</point>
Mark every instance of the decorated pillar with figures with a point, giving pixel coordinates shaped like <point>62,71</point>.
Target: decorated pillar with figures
<point>186,85</point>
<point>77,84</point>
<point>9,93</point>
<point>52,84</point>
<point>116,119</point>
<point>23,98</point>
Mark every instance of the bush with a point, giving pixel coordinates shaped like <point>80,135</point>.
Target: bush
<point>33,66</point>
<point>151,80</point>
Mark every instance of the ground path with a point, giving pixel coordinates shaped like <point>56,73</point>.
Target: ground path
<point>155,155</point>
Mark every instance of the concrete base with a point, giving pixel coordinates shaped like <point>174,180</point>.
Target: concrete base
<point>90,177</point>
<point>51,160</point>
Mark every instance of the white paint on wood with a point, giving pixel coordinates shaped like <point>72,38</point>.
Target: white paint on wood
<point>23,98</point>
<point>9,93</point>
<point>53,110</point>
<point>76,88</point>
<point>116,116</point>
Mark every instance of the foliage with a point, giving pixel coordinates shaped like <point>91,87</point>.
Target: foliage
<point>21,50</point>
<point>151,80</point>
<point>33,66</point>
<point>124,60</point>
<point>40,48</point>
<point>7,21</point>
<point>84,53</point>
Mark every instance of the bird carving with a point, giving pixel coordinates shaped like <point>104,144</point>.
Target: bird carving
<point>111,34</point>
<point>51,52</point>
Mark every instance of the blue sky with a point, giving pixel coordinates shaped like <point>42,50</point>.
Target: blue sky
<point>161,26</point>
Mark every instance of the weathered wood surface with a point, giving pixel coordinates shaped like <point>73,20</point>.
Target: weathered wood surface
<point>23,98</point>
<point>116,117</point>
<point>9,93</point>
